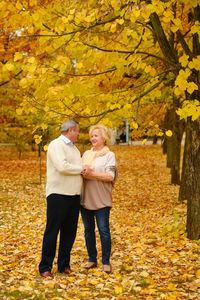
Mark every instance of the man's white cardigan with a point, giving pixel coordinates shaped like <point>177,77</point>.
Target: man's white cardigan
<point>64,166</point>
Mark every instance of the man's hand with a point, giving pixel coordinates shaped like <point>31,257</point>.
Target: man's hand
<point>86,172</point>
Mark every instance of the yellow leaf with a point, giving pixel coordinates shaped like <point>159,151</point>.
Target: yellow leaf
<point>170,297</point>
<point>93,282</point>
<point>88,19</point>
<point>31,60</point>
<point>18,56</point>
<point>19,111</point>
<point>44,126</point>
<point>168,133</point>
<point>147,69</point>
<point>82,295</point>
<point>184,60</point>
<point>38,139</point>
<point>45,148</point>
<point>83,282</point>
<point>144,274</point>
<point>10,67</point>
<point>198,273</point>
<point>50,284</point>
<point>98,273</point>
<point>191,87</point>
<point>113,27</point>
<point>177,91</point>
<point>144,141</point>
<point>171,287</point>
<point>46,108</point>
<point>177,22</point>
<point>174,28</point>
<point>118,290</point>
<point>36,17</point>
<point>32,68</point>
<point>134,125</point>
<point>107,26</point>
<point>95,294</point>
<point>19,5</point>
<point>32,2</point>
<point>70,17</point>
<point>23,82</point>
<point>120,21</point>
<point>115,4</point>
<point>79,65</point>
<point>64,20</point>
<point>160,133</point>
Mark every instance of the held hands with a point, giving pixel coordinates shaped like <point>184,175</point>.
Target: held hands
<point>86,172</point>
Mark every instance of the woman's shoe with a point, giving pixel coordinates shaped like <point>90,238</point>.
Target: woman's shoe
<point>107,268</point>
<point>91,264</point>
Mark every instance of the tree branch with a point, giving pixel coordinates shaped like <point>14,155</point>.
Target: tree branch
<point>149,90</point>
<point>165,47</point>
<point>126,52</point>
<point>184,44</point>
<point>91,74</point>
<point>65,44</point>
<point>84,75</point>
<point>5,82</point>
<point>72,32</point>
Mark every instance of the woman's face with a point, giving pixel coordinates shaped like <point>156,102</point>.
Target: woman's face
<point>97,140</point>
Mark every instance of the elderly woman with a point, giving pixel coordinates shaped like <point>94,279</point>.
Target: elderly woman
<point>99,174</point>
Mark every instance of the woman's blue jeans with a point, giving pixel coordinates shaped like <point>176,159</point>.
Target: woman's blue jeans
<point>102,220</point>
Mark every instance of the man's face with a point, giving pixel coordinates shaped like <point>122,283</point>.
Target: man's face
<point>74,133</point>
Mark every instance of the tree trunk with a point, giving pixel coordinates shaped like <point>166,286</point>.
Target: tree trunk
<point>155,139</point>
<point>183,185</point>
<point>177,129</point>
<point>170,139</point>
<point>173,144</point>
<point>165,125</point>
<point>190,181</point>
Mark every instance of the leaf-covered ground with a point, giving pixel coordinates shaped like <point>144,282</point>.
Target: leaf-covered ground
<point>151,256</point>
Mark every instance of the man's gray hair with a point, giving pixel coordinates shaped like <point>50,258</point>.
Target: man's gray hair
<point>68,124</point>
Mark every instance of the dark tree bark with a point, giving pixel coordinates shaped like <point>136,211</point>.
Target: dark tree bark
<point>169,140</point>
<point>190,181</point>
<point>173,143</point>
<point>155,139</point>
<point>165,125</point>
<point>178,129</point>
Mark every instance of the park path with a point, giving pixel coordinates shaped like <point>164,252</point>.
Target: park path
<point>151,257</point>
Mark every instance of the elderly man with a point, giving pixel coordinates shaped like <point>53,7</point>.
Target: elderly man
<point>63,188</point>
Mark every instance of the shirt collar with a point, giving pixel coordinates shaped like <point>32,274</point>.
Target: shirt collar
<point>66,140</point>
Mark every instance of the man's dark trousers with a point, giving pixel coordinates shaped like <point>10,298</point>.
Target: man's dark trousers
<point>62,216</point>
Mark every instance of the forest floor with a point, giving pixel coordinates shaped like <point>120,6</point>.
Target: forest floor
<point>151,256</point>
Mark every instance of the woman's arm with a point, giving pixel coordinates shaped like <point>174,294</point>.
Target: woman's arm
<point>103,176</point>
<point>106,177</point>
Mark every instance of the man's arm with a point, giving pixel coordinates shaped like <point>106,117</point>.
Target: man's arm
<point>57,154</point>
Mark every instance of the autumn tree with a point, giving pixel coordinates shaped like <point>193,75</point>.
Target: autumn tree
<point>95,60</point>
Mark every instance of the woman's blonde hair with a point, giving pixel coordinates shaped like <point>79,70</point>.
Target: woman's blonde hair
<point>104,132</point>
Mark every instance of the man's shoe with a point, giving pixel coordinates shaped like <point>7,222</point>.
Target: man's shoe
<point>66,271</point>
<point>91,265</point>
<point>107,268</point>
<point>46,274</point>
